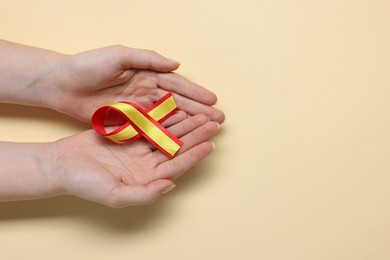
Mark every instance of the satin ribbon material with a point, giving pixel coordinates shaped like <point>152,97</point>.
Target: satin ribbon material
<point>139,122</point>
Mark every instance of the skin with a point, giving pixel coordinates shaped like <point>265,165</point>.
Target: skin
<point>86,165</point>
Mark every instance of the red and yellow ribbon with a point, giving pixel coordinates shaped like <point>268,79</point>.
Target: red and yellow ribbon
<point>139,122</point>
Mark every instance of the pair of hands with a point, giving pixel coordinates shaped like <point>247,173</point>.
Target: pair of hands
<point>133,173</point>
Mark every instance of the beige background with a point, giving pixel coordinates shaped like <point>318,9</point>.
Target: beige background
<point>301,169</point>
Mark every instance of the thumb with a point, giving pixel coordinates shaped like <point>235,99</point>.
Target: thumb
<point>145,59</point>
<point>131,195</point>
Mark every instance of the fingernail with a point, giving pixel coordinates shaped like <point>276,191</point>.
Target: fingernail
<point>174,61</point>
<point>213,144</point>
<point>169,188</point>
<point>218,125</point>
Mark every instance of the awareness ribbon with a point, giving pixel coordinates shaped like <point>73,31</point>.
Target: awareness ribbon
<point>140,122</point>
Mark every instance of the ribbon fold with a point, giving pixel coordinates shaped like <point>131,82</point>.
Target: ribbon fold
<point>140,122</point>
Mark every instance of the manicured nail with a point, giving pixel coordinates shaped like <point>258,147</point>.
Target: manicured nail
<point>173,61</point>
<point>218,125</point>
<point>169,188</point>
<point>213,144</point>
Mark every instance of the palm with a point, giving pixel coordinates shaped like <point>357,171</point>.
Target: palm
<point>131,163</point>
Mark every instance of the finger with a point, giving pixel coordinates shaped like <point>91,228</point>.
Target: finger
<point>144,59</point>
<point>178,84</point>
<point>188,125</point>
<point>194,136</point>
<point>175,119</point>
<point>130,195</point>
<point>193,108</point>
<point>199,135</point>
<point>174,168</point>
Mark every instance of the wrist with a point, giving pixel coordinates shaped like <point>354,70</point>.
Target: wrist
<point>28,75</point>
<point>44,88</point>
<point>52,186</point>
<point>28,171</point>
<point>42,181</point>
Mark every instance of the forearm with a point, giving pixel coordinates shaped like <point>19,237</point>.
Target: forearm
<point>28,75</point>
<point>27,171</point>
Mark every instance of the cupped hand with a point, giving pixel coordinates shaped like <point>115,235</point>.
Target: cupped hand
<point>98,77</point>
<point>133,173</point>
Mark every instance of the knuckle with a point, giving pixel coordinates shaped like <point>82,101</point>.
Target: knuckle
<point>201,118</point>
<point>152,52</point>
<point>117,48</point>
<point>211,127</point>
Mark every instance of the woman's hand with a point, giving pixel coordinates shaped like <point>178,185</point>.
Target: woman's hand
<point>79,84</point>
<point>133,173</point>
<point>98,77</point>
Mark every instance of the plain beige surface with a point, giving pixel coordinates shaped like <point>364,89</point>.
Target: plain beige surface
<point>301,168</point>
